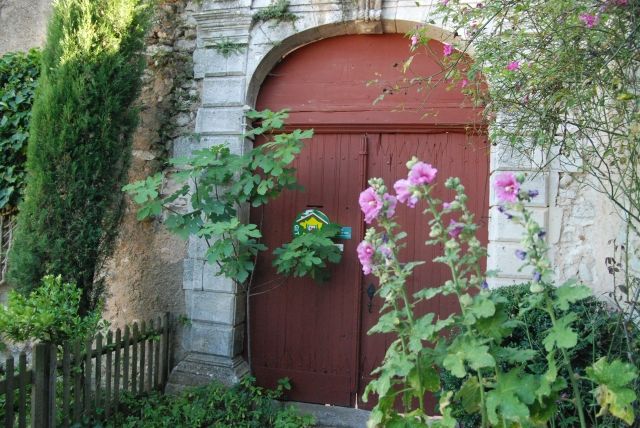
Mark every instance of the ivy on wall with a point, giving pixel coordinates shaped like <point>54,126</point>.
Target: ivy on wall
<point>18,78</point>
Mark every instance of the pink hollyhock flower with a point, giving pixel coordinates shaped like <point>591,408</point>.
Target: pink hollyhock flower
<point>404,193</point>
<point>513,65</point>
<point>447,49</point>
<point>392,201</point>
<point>463,83</point>
<point>589,20</point>
<point>414,40</point>
<point>422,173</point>
<point>370,204</point>
<point>507,187</point>
<point>365,254</point>
<point>455,228</point>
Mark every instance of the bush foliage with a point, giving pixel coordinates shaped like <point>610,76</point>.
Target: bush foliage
<point>598,336</point>
<point>79,148</point>
<point>242,406</point>
<point>18,78</point>
<point>47,314</point>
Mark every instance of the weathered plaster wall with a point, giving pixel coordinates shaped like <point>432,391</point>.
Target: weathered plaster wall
<point>145,274</point>
<point>23,24</point>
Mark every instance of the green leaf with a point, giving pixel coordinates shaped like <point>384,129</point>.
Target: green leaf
<point>570,293</point>
<point>511,397</point>
<point>561,335</point>
<point>613,392</point>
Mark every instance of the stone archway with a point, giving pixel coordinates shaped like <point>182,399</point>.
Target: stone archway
<point>230,83</point>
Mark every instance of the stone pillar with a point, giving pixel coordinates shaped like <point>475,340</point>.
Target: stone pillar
<point>214,304</point>
<point>504,235</point>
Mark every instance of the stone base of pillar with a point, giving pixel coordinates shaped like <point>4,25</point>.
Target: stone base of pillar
<point>200,369</point>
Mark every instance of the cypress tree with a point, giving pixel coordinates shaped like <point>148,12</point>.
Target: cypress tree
<point>80,142</point>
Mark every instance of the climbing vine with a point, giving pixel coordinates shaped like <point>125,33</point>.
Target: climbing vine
<point>18,80</point>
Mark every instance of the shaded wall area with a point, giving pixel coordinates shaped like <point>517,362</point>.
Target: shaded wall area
<point>23,24</point>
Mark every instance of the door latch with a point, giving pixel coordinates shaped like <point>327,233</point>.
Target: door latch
<point>371,291</point>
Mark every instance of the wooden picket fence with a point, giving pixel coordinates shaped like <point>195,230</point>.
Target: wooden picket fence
<point>92,376</point>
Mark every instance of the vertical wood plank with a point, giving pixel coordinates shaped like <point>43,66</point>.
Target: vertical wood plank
<point>156,364</point>
<point>98,376</point>
<point>134,359</point>
<point>164,372</point>
<point>44,386</point>
<point>22,400</point>
<point>108,375</point>
<point>66,383</point>
<point>125,360</point>
<point>143,332</point>
<point>150,342</point>
<point>88,408</point>
<point>116,371</point>
<point>77,382</point>
<point>9,394</point>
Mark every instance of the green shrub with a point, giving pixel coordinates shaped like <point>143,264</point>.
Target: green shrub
<point>18,78</point>
<point>598,336</point>
<point>47,314</point>
<point>242,406</point>
<point>79,147</point>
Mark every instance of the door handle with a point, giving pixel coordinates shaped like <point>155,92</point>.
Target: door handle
<point>371,291</point>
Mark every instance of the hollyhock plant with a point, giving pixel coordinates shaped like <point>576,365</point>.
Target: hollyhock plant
<point>422,173</point>
<point>455,228</point>
<point>370,204</point>
<point>513,65</point>
<point>404,193</point>
<point>365,254</point>
<point>391,202</point>
<point>507,187</point>
<point>589,20</point>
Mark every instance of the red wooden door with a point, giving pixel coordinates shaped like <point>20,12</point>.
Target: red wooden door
<point>316,334</point>
<point>456,154</point>
<point>300,329</point>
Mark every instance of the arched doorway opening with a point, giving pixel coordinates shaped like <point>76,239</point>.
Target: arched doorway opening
<point>316,334</point>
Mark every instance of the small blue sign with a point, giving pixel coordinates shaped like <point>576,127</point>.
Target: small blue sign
<point>345,232</point>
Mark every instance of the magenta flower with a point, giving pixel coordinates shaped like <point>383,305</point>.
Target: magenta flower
<point>365,254</point>
<point>455,228</point>
<point>589,20</point>
<point>422,173</point>
<point>506,187</point>
<point>444,2</point>
<point>463,83</point>
<point>392,201</point>
<point>404,193</point>
<point>513,65</point>
<point>414,40</point>
<point>447,49</point>
<point>370,204</point>
<point>446,205</point>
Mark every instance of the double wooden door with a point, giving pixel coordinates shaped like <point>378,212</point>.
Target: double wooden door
<point>316,334</point>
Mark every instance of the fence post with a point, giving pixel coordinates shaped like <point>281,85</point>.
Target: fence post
<point>44,386</point>
<point>164,370</point>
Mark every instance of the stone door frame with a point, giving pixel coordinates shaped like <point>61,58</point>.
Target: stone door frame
<point>229,86</point>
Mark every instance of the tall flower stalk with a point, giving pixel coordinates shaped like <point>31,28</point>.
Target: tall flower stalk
<point>496,382</point>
